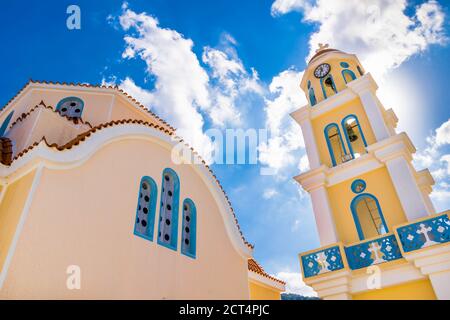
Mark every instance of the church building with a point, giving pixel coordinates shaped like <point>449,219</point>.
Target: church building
<point>380,236</point>
<point>92,205</point>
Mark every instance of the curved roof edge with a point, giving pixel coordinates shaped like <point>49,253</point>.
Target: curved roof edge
<point>88,142</point>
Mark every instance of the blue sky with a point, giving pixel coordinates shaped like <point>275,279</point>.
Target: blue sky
<point>237,64</point>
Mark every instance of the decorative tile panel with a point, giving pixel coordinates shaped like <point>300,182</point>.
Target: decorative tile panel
<point>373,252</point>
<point>424,233</point>
<point>322,261</point>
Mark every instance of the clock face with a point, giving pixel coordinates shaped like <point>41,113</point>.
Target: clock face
<point>322,70</point>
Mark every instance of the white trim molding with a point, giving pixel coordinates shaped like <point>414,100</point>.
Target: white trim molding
<point>434,262</point>
<point>335,286</point>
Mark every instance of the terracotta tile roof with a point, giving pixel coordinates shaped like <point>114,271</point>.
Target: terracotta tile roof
<point>6,151</point>
<point>322,52</point>
<point>42,104</point>
<point>256,267</point>
<point>83,136</point>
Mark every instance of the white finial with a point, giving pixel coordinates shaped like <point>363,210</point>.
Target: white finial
<point>322,47</point>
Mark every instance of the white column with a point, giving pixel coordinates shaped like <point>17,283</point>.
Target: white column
<point>435,263</point>
<point>335,286</point>
<point>310,144</point>
<point>365,88</point>
<point>324,216</point>
<point>303,118</point>
<point>410,196</point>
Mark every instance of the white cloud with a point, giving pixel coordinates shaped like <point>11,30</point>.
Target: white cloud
<point>185,92</point>
<point>379,31</point>
<point>231,82</point>
<point>436,157</point>
<point>285,133</point>
<point>181,83</point>
<point>304,163</point>
<point>269,193</point>
<point>295,284</point>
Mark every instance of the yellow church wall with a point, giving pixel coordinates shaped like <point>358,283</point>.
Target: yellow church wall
<point>379,184</point>
<point>259,291</point>
<point>417,290</point>
<point>336,116</point>
<point>85,216</point>
<point>336,72</point>
<point>11,207</point>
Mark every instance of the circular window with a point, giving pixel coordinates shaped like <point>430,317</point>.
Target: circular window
<point>71,107</point>
<point>358,186</point>
<point>344,65</point>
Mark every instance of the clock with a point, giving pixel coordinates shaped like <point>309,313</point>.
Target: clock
<point>322,70</point>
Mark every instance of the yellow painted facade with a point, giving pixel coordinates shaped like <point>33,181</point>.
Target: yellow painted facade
<point>417,290</point>
<point>380,185</point>
<point>336,116</point>
<point>259,291</point>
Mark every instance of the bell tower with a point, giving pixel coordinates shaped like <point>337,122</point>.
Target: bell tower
<point>371,206</point>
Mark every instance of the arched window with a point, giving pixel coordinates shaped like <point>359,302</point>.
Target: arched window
<point>360,71</point>
<point>353,134</point>
<point>335,144</point>
<point>188,239</point>
<point>71,107</point>
<point>168,214</point>
<point>5,124</point>
<point>312,96</point>
<point>328,86</point>
<point>368,217</point>
<point>348,75</point>
<point>145,212</point>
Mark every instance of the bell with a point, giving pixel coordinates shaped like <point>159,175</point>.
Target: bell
<point>328,82</point>
<point>351,134</point>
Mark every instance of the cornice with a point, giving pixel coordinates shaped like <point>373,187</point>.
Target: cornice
<point>393,147</point>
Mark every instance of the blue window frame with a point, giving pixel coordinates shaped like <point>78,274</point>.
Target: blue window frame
<point>352,132</point>
<point>335,143</point>
<point>328,83</point>
<point>368,217</point>
<point>146,207</point>
<point>5,124</point>
<point>358,186</point>
<point>348,75</point>
<point>168,214</point>
<point>71,107</point>
<point>312,97</point>
<point>344,64</point>
<point>189,231</point>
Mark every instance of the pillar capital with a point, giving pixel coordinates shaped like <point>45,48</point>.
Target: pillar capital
<point>363,84</point>
<point>393,147</point>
